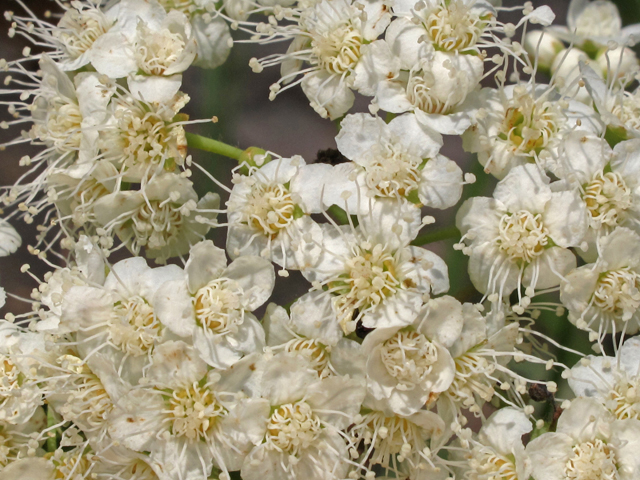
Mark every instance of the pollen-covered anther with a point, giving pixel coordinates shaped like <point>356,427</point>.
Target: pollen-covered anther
<point>471,379</point>
<point>269,208</point>
<point>292,427</point>
<point>529,123</point>
<point>486,463</point>
<point>625,398</point>
<point>607,198</point>
<point>312,350</point>
<point>395,172</point>
<point>133,326</point>
<point>593,460</point>
<point>618,293</point>
<point>155,224</point>
<point>145,137</point>
<point>157,50</point>
<point>452,26</point>
<point>370,276</point>
<point>9,377</point>
<point>522,236</point>
<point>337,51</point>
<point>193,412</point>
<point>409,357</point>
<point>62,125</point>
<point>419,88</point>
<point>217,306</point>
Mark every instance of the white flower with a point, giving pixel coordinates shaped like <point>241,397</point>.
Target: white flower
<point>605,296</point>
<point>118,320</point>
<point>303,432</point>
<point>269,213</point>
<point>76,197</point>
<point>330,37</point>
<point>520,124</point>
<point>211,304</point>
<point>313,332</point>
<point>144,139</point>
<point>21,354</point>
<point>210,31</point>
<point>607,181</point>
<point>498,452</point>
<point>434,88</point>
<point>390,439</point>
<point>395,160</point>
<point>597,22</point>
<point>165,216</point>
<point>612,381</point>
<point>521,241</point>
<point>619,109</point>
<point>371,274</point>
<point>408,367</point>
<point>188,417</point>
<point>589,443</point>
<point>481,351</point>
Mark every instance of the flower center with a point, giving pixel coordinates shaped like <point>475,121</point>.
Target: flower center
<point>393,172</point>
<point>88,404</point>
<point>486,463</point>
<point>452,26</point>
<point>218,306</point>
<point>72,464</point>
<point>618,292</point>
<point>522,236</point>
<point>156,224</point>
<point>628,110</point>
<point>193,412</point>
<point>626,398</point>
<point>145,138</point>
<point>9,376</point>
<point>471,379</point>
<point>184,6</point>
<point>269,208</point>
<point>62,126</point>
<point>370,277</point>
<point>157,50</point>
<point>409,357</point>
<point>528,125</point>
<point>312,350</point>
<point>390,436</point>
<point>338,50</point>
<point>592,461</point>
<point>292,427</point>
<point>607,197</point>
<point>419,93</point>
<point>133,327</point>
<point>79,28</point>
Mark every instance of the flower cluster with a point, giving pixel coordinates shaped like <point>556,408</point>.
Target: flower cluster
<point>199,368</point>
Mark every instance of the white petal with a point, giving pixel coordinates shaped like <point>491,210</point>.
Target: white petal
<point>256,277</point>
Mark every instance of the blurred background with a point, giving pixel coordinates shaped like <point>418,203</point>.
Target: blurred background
<point>287,126</point>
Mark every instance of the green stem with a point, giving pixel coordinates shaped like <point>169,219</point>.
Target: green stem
<point>442,234</point>
<point>213,146</point>
<point>52,444</point>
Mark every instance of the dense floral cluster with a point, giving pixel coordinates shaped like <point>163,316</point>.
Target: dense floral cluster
<point>186,370</point>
